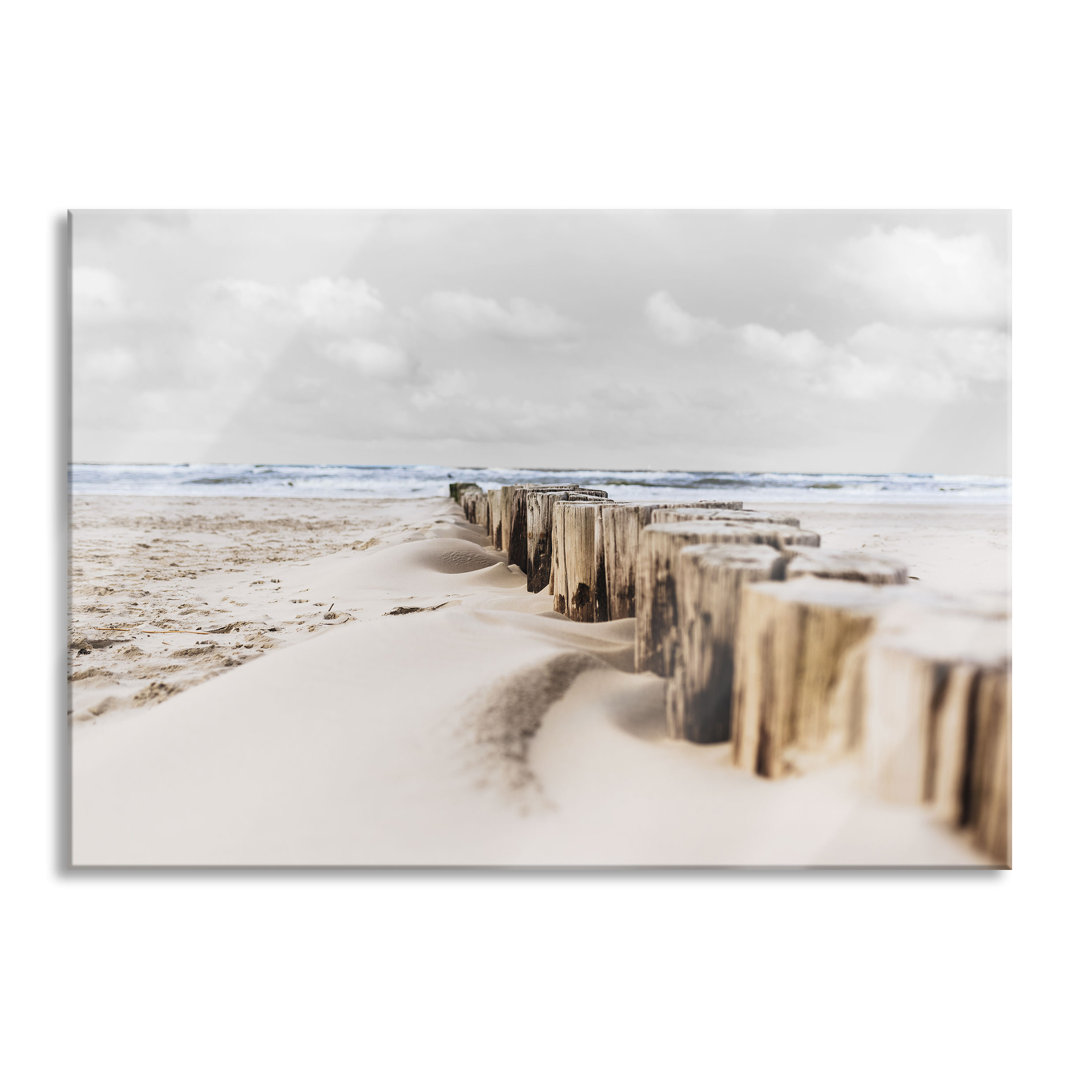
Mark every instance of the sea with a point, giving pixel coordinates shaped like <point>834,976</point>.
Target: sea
<point>412,481</point>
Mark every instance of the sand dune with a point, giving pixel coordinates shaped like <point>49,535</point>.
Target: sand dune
<point>474,728</point>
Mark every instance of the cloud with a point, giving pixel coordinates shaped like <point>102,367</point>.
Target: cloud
<point>460,315</point>
<point>938,364</point>
<point>324,305</point>
<point>916,275</point>
<point>339,304</point>
<point>372,358</point>
<point>223,365</point>
<point>801,347</point>
<point>96,294</point>
<point>251,296</point>
<point>105,365</point>
<point>674,326</point>
<point>877,360</point>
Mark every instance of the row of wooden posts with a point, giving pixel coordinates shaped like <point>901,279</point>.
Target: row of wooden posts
<point>794,654</point>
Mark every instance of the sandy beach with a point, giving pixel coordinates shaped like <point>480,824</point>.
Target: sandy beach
<point>366,682</point>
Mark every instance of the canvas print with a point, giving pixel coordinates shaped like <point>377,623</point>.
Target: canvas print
<point>540,539</point>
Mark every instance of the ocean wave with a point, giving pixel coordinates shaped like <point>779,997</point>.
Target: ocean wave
<point>410,481</point>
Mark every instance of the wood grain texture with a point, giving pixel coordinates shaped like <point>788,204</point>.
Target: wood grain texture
<point>708,583</point>
<point>539,504</point>
<point>620,526</point>
<point>797,661</point>
<point>578,582</point>
<point>656,604</point>
<point>938,719</point>
<point>841,565</point>
<point>701,513</point>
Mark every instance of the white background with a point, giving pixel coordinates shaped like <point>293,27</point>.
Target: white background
<point>562,105</point>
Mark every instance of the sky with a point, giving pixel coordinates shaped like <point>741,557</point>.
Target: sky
<point>805,341</point>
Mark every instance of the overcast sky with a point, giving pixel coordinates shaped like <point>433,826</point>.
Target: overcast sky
<point>808,341</point>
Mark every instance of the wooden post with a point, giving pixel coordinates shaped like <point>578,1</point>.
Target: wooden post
<point>796,656</point>
<point>493,516</point>
<point>459,488</point>
<point>938,719</point>
<point>621,525</point>
<point>517,549</point>
<point>708,585</point>
<point>577,572</point>
<point>746,517</point>
<point>475,505</point>
<point>845,566</point>
<point>469,501</point>
<point>656,603</point>
<point>506,502</point>
<point>709,579</point>
<point>538,521</point>
<point>518,544</point>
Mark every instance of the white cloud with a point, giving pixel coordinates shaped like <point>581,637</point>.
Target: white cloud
<point>674,326</point>
<point>800,347</point>
<point>460,314</point>
<point>252,296</point>
<point>877,360</point>
<point>372,358</point>
<point>96,294</point>
<point>339,304</point>
<point>325,305</point>
<point>223,365</point>
<point>917,275</point>
<point>938,364</point>
<point>443,388</point>
<point>105,365</point>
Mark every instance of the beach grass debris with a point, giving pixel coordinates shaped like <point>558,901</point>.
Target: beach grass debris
<point>404,609</point>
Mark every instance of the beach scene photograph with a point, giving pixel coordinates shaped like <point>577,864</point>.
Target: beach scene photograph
<point>540,539</point>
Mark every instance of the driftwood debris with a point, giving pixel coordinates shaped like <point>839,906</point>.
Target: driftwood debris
<point>797,671</point>
<point>938,720</point>
<point>656,601</point>
<point>620,525</point>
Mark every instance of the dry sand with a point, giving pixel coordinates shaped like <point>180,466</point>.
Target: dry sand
<point>473,727</point>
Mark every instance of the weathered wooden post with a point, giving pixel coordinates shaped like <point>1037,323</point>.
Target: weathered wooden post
<point>538,527</point>
<point>621,525</point>
<point>517,550</point>
<point>709,579</point>
<point>457,489</point>
<point>938,719</point>
<point>656,603</point>
<point>577,581</point>
<point>841,565</point>
<point>505,509</point>
<point>709,582</point>
<point>476,508</point>
<point>747,517</point>
<point>798,659</point>
<point>469,501</point>
<point>493,516</point>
